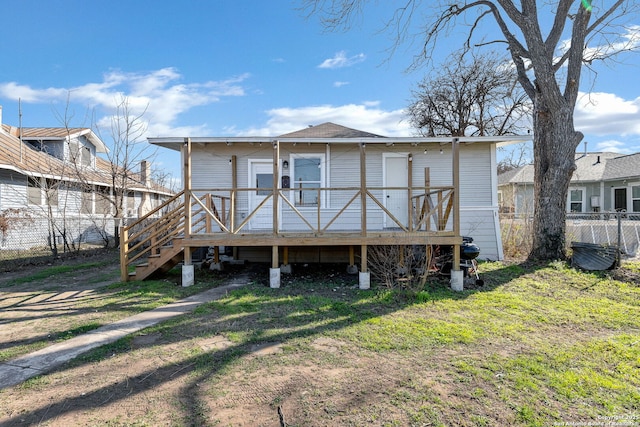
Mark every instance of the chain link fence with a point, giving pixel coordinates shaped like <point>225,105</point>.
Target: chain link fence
<point>24,239</point>
<point>603,228</point>
<point>619,229</point>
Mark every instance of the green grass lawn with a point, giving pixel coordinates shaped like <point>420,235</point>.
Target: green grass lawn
<point>538,345</point>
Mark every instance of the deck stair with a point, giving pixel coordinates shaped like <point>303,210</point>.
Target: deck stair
<point>153,243</point>
<point>169,257</point>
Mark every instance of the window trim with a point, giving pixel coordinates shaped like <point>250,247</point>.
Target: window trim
<point>633,185</point>
<point>323,174</point>
<point>583,199</point>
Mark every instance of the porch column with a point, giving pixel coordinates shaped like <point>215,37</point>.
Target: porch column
<point>232,201</point>
<point>274,271</point>
<point>457,279</point>
<point>410,193</point>
<point>187,266</point>
<point>364,278</point>
<point>276,185</point>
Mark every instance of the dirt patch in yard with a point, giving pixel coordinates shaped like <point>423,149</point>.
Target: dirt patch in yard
<point>292,356</point>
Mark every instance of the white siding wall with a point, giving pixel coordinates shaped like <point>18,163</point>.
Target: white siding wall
<point>13,190</point>
<point>211,169</point>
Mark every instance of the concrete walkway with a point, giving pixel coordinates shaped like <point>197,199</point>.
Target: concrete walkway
<point>22,368</point>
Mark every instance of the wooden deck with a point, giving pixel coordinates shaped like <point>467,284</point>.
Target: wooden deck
<point>212,219</point>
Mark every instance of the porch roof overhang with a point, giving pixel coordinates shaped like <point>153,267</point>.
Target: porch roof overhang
<point>176,143</point>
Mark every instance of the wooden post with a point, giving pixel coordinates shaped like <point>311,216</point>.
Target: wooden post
<point>155,249</point>
<point>276,184</point>
<point>410,193</point>
<point>427,190</point>
<point>352,255</point>
<point>274,257</point>
<point>285,255</point>
<point>186,182</point>
<point>363,206</point>
<point>455,145</point>
<point>234,186</point>
<point>187,266</point>
<point>207,219</point>
<point>124,254</point>
<point>457,279</point>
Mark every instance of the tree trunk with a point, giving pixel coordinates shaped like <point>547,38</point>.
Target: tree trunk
<point>554,148</point>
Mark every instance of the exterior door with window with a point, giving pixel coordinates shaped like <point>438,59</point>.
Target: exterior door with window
<point>261,176</point>
<point>396,201</point>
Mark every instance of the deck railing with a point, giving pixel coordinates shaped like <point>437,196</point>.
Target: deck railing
<point>215,211</point>
<point>429,208</point>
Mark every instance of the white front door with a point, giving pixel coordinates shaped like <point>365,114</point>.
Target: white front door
<point>396,201</point>
<point>261,176</point>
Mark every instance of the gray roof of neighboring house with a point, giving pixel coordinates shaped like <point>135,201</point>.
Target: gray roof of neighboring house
<point>521,175</point>
<point>623,167</point>
<point>593,167</point>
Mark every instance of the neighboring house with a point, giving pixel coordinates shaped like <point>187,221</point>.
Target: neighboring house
<point>602,182</point>
<point>325,193</point>
<point>54,185</point>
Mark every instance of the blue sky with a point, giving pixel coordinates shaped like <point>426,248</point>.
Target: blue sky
<point>245,67</point>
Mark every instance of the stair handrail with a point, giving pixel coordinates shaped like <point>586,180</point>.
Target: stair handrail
<point>125,251</point>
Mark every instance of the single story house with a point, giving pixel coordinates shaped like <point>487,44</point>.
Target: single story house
<point>324,194</point>
<point>602,182</point>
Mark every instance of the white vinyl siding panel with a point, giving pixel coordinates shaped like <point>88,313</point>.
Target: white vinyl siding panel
<point>211,168</point>
<point>480,224</point>
<point>475,176</point>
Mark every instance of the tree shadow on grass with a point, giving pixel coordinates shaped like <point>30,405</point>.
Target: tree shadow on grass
<point>309,305</point>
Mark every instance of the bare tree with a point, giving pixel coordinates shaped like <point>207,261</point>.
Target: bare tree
<point>472,95</point>
<point>514,156</point>
<point>549,43</point>
<point>128,148</point>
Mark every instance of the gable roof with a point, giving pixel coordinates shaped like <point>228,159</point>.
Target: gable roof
<point>520,175</point>
<point>62,133</point>
<point>331,133</point>
<point>592,167</point>
<point>23,158</point>
<point>623,167</point>
<point>329,130</point>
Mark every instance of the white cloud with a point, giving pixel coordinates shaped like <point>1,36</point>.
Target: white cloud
<point>160,94</point>
<point>340,84</point>
<point>367,117</point>
<point>15,91</point>
<point>600,113</point>
<point>340,60</point>
<point>613,146</point>
<point>629,40</point>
